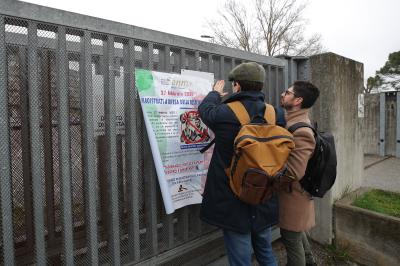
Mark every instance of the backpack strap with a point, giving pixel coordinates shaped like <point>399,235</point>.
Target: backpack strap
<point>280,117</point>
<point>298,125</point>
<point>269,114</point>
<point>240,112</point>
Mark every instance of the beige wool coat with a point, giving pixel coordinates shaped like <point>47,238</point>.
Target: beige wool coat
<point>296,207</point>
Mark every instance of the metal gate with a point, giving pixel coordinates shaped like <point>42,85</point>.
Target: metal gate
<point>69,194</point>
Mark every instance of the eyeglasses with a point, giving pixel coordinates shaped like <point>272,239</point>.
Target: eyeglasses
<point>287,92</point>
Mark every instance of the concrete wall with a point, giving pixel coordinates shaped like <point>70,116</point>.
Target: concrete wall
<point>340,80</point>
<point>371,124</point>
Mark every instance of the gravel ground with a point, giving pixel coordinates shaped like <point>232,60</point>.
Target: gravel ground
<point>321,255</point>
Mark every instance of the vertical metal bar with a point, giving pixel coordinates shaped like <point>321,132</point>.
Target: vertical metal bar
<point>382,123</point>
<point>132,151</point>
<point>232,64</point>
<point>110,133</point>
<point>222,67</point>
<point>161,58</point>
<point>5,162</point>
<point>103,187</point>
<point>281,86</point>
<point>265,86</point>
<point>197,62</point>
<point>150,182</point>
<point>48,144</point>
<point>120,175</point>
<point>289,74</point>
<point>184,217</point>
<point>145,56</point>
<point>232,67</point>
<point>276,99</point>
<point>196,225</point>
<point>88,145</point>
<point>151,207</point>
<point>36,145</point>
<point>167,59</point>
<point>26,149</point>
<point>168,219</point>
<point>205,226</point>
<point>270,88</point>
<point>211,65</point>
<point>398,125</point>
<point>64,146</point>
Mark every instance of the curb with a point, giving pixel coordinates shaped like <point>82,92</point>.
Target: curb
<point>379,161</point>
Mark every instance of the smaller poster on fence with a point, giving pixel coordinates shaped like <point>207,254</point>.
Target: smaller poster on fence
<point>176,133</point>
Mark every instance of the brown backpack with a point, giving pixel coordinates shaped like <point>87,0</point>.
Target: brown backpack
<point>260,154</point>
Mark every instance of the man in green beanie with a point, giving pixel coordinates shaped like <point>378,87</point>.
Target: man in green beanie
<point>246,228</point>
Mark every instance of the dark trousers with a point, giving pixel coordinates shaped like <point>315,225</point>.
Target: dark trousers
<point>297,248</point>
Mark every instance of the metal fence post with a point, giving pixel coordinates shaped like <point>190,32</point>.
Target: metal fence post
<point>64,146</point>
<point>132,151</point>
<point>168,223</point>
<point>270,83</point>
<point>150,178</point>
<point>36,145</point>
<point>5,163</point>
<point>398,124</point>
<point>382,123</point>
<point>110,134</point>
<point>184,212</point>
<point>88,149</point>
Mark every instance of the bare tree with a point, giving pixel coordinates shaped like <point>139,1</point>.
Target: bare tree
<point>269,27</point>
<point>233,29</point>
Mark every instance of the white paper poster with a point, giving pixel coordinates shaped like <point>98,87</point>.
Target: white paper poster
<point>176,133</point>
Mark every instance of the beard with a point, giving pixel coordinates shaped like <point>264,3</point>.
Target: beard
<point>286,105</point>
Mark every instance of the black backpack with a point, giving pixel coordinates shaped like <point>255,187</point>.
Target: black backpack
<point>320,173</point>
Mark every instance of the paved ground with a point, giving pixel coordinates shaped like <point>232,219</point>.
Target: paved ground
<point>380,172</point>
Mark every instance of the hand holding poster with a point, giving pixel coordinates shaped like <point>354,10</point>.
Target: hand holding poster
<point>176,133</point>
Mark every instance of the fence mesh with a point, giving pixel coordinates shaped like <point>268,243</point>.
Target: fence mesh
<point>141,221</point>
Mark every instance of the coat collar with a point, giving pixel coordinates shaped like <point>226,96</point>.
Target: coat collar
<point>251,95</point>
<point>293,117</point>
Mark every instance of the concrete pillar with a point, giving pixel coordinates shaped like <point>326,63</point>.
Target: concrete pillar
<point>340,80</point>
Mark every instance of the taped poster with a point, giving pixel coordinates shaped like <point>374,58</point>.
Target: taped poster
<point>176,133</point>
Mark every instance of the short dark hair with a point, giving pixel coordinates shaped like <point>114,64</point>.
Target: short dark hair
<point>246,85</point>
<point>306,90</point>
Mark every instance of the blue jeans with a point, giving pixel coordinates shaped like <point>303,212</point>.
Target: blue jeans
<point>239,248</point>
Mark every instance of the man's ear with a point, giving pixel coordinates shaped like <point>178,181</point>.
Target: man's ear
<point>238,87</point>
<point>299,100</point>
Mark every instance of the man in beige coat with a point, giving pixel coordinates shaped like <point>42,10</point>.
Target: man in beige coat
<point>296,206</point>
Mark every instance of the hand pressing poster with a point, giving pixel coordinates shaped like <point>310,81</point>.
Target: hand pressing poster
<point>176,133</point>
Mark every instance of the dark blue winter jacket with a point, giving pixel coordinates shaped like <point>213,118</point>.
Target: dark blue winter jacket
<point>220,207</point>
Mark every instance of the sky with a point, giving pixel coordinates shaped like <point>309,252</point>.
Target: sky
<point>362,30</point>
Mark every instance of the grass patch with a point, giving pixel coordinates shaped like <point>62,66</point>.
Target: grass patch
<point>380,201</point>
